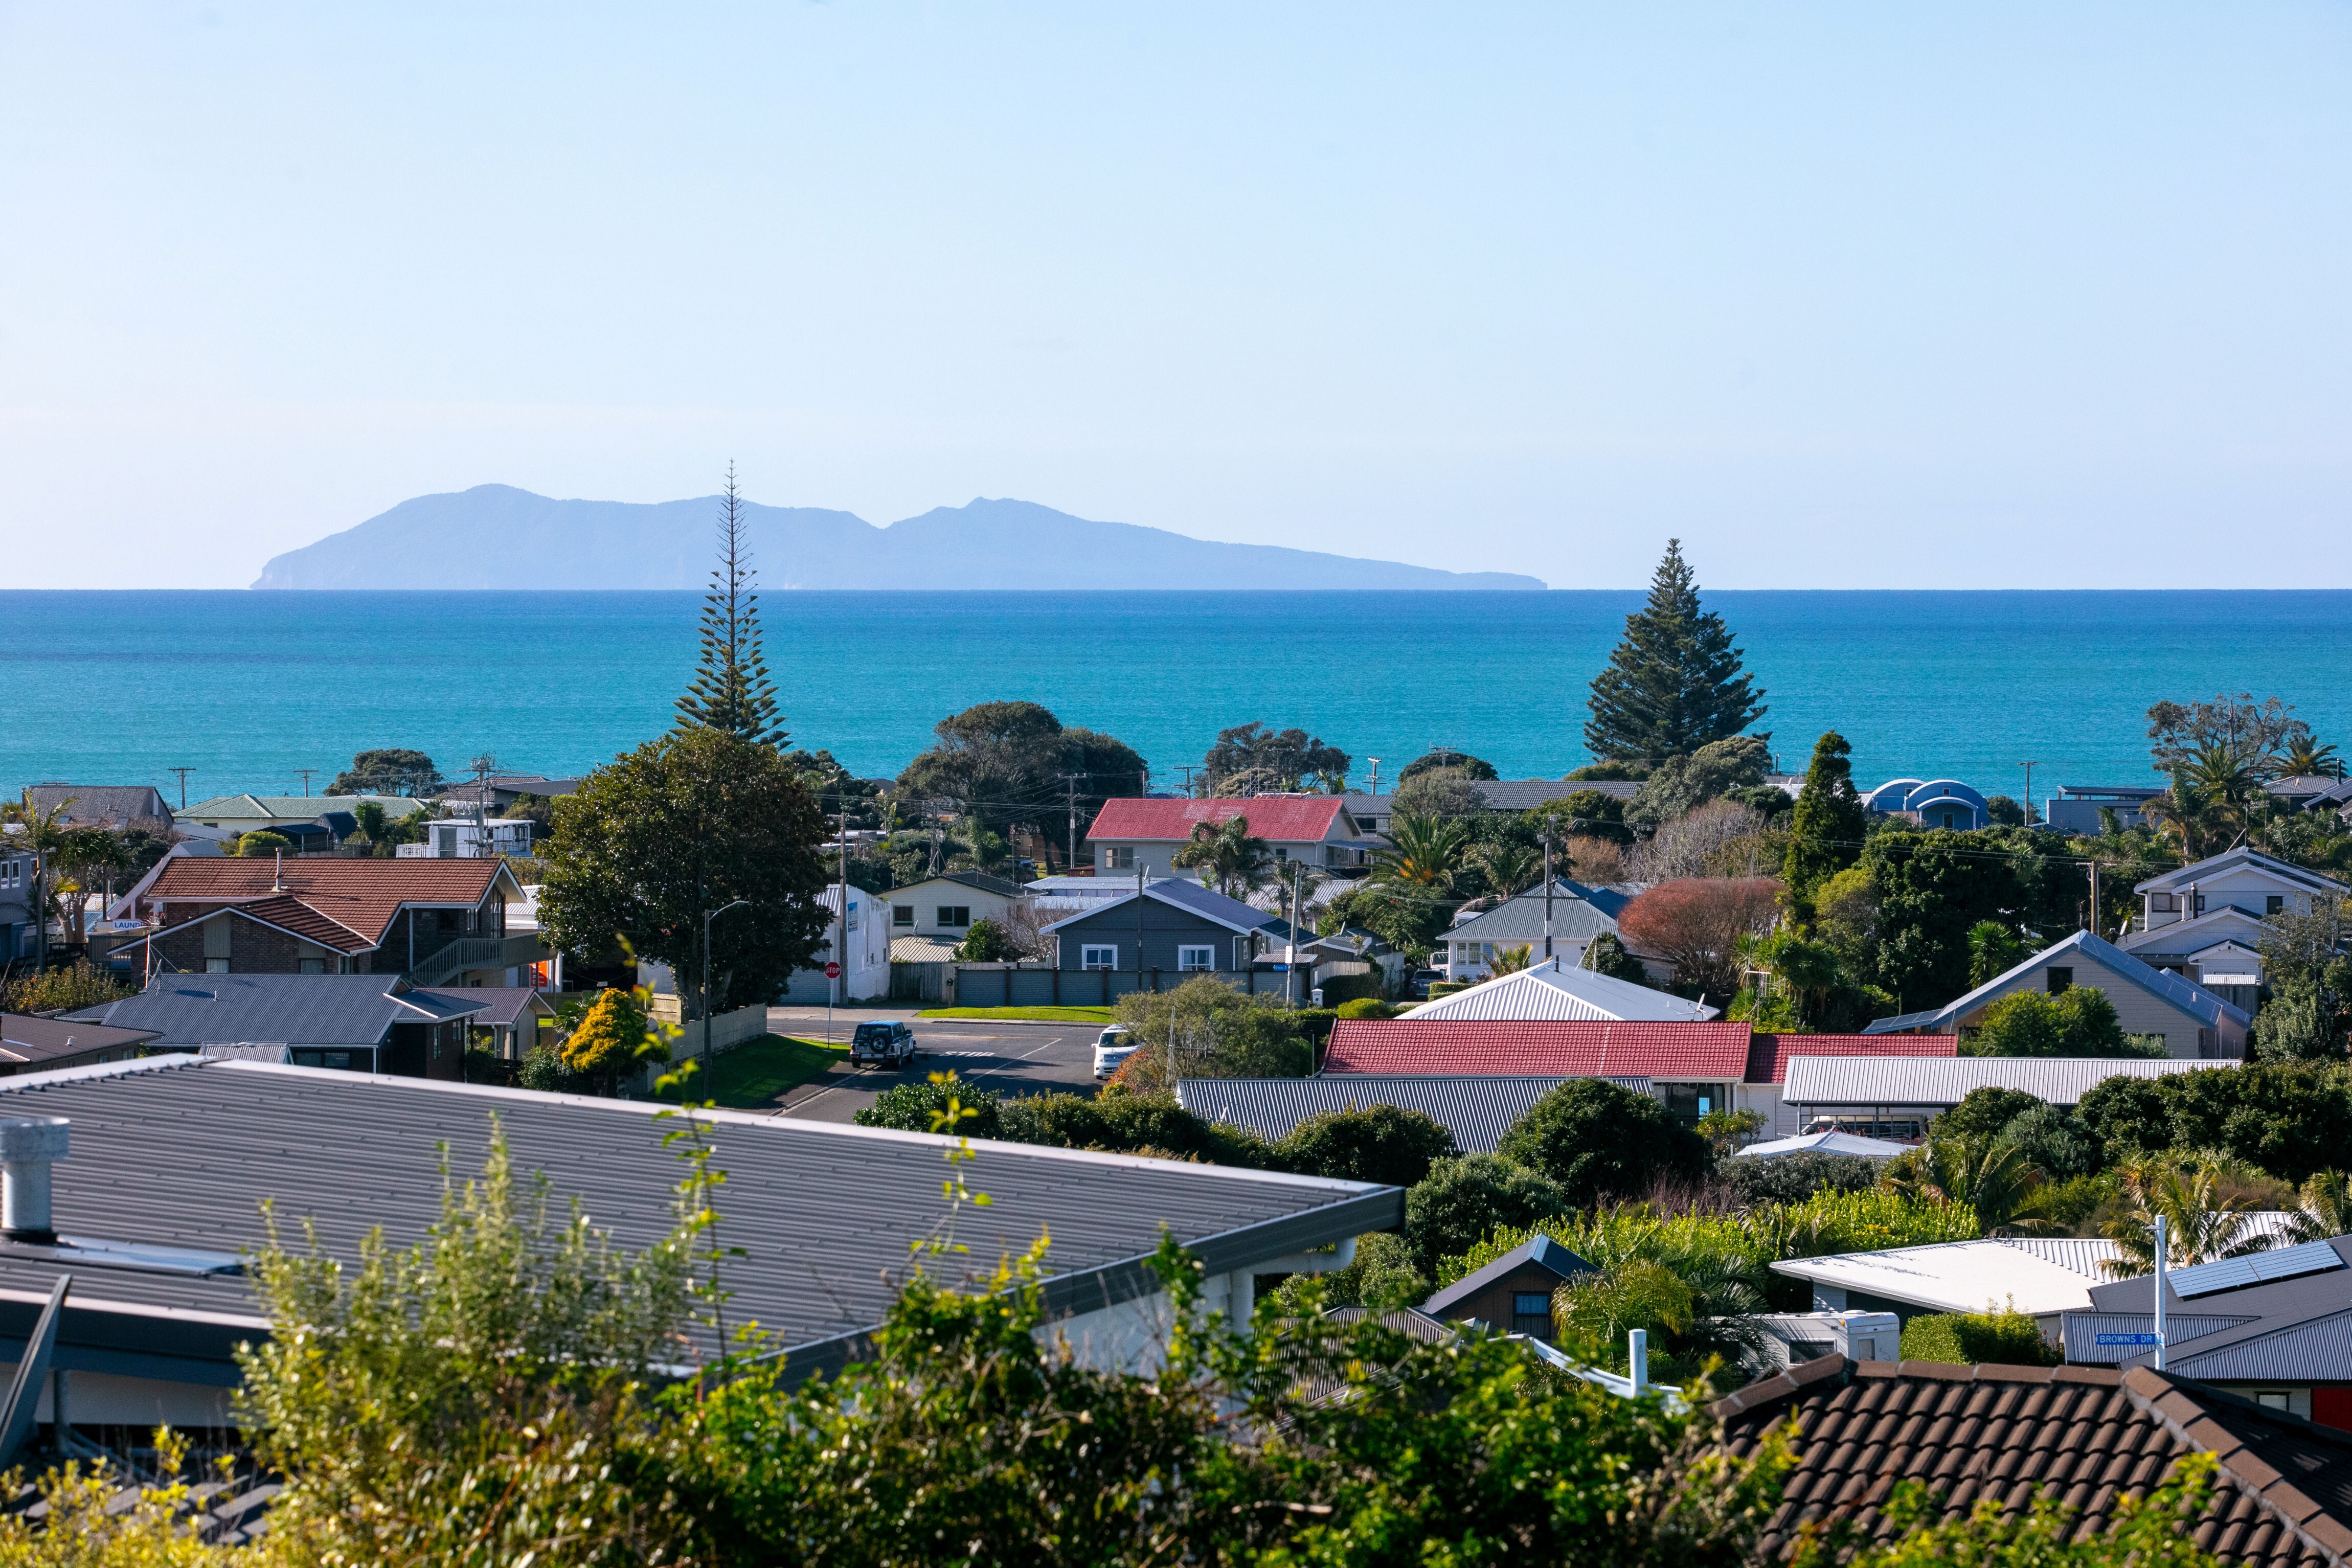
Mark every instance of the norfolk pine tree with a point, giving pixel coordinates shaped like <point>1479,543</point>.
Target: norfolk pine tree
<point>731,690</point>
<point>1675,683</point>
<point>1825,834</point>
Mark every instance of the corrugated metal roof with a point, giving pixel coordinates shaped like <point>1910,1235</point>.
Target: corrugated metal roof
<point>191,1010</point>
<point>1276,818</point>
<point>2192,999</point>
<point>2084,1255</point>
<point>922,950</point>
<point>175,1153</point>
<point>1477,1111</point>
<point>1556,990</point>
<point>1769,1054</point>
<point>2082,1330</point>
<point>2250,859</point>
<point>1574,917</point>
<point>2317,1350</point>
<point>1182,893</point>
<point>1946,1080</point>
<point>1952,1277</point>
<point>1679,1051</point>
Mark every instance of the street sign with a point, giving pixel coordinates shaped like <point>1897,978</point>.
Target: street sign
<point>2129,1339</point>
<point>1284,969</point>
<point>833,971</point>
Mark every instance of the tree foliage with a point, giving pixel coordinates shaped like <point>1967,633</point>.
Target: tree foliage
<point>609,1039</point>
<point>1683,784</point>
<point>1452,1208</point>
<point>389,770</point>
<point>732,691</point>
<point>1595,1140</point>
<point>1825,835</point>
<point>1254,759</point>
<point>1438,759</point>
<point>1228,856</point>
<point>1004,763</point>
<point>1697,923</point>
<point>1675,683</point>
<point>686,823</point>
<point>2080,1021</point>
<point>1369,1142</point>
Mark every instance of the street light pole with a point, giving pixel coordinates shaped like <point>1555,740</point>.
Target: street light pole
<point>708,917</point>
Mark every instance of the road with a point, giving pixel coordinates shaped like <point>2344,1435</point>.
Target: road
<point>1010,1058</point>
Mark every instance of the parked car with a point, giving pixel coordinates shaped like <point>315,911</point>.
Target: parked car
<point>1115,1046</point>
<point>884,1042</point>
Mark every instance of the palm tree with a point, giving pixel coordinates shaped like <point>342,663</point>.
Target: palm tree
<point>1695,1299</point>
<point>1427,852</point>
<point>1509,960</point>
<point>2305,757</point>
<point>2322,1209</point>
<point>2204,1222</point>
<point>2182,814</point>
<point>1991,1176</point>
<point>1509,869</point>
<point>1227,856</point>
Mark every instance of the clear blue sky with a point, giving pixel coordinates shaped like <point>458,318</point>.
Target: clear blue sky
<point>1845,295</point>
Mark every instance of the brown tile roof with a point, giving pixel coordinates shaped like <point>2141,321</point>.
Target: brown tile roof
<point>2088,1435</point>
<point>289,912</point>
<point>361,896</point>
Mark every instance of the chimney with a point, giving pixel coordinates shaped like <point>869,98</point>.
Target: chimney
<point>278,875</point>
<point>29,1146</point>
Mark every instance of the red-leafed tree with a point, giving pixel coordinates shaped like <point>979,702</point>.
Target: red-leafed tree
<point>1696,925</point>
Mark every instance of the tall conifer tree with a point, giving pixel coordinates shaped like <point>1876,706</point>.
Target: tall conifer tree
<point>731,690</point>
<point>1675,683</point>
<point>1825,833</point>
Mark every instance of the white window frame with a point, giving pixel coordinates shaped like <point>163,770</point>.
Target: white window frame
<point>1116,857</point>
<point>1098,955</point>
<point>1195,956</point>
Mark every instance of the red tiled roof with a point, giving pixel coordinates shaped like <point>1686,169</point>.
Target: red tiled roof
<point>1768,1057</point>
<point>2088,1435</point>
<point>289,912</point>
<point>361,896</point>
<point>1286,819</point>
<point>1572,1049</point>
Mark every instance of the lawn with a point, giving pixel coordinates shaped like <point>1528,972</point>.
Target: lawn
<point>751,1076</point>
<point>1032,1015</point>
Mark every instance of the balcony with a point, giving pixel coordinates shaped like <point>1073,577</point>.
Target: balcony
<point>445,963</point>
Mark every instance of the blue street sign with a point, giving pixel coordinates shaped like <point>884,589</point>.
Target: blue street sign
<point>2128,1339</point>
<point>1283,967</point>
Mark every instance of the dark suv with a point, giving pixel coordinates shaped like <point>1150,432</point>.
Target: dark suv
<point>885,1042</point>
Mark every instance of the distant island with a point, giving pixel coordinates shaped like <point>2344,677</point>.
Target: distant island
<point>495,536</point>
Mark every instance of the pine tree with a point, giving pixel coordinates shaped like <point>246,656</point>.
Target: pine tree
<point>1675,683</point>
<point>1825,833</point>
<point>731,690</point>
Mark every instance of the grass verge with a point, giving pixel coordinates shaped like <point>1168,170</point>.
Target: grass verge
<point>1032,1015</point>
<point>751,1076</point>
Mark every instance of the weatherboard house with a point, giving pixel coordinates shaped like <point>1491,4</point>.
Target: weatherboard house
<point>1141,835</point>
<point>2204,922</point>
<point>1174,926</point>
<point>2190,1020</point>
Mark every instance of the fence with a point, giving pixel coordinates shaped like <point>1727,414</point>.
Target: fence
<point>1037,986</point>
<point>727,1030</point>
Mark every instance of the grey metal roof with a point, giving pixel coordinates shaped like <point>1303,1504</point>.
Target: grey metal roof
<point>293,1009</point>
<point>978,881</point>
<point>500,1005</point>
<point>23,1037</point>
<point>2192,999</point>
<point>109,805</point>
<point>1526,794</point>
<point>1574,918</point>
<point>1477,1111</point>
<point>1540,1249</point>
<point>2083,1329</point>
<point>2249,859</point>
<point>2317,1350</point>
<point>1204,902</point>
<point>1946,1080</point>
<point>174,1152</point>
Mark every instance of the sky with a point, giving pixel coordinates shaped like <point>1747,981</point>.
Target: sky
<point>1843,295</point>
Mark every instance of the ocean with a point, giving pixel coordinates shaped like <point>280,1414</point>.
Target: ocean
<point>244,689</point>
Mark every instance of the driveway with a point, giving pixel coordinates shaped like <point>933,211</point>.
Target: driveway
<point>1011,1058</point>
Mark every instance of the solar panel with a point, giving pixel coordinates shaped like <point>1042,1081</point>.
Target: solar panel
<point>2261,1268</point>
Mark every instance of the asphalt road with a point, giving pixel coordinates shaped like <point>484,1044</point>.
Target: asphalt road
<point>1010,1058</point>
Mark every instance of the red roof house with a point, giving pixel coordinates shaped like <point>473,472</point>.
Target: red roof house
<point>1132,834</point>
<point>1717,1052</point>
<point>1769,1057</point>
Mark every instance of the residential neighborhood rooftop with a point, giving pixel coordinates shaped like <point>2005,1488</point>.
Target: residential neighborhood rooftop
<point>1717,1051</point>
<point>1285,818</point>
<point>1839,1080</point>
<point>1477,1111</point>
<point>1555,990</point>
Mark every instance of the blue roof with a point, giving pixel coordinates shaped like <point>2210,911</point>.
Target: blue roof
<point>2193,999</point>
<point>1204,902</point>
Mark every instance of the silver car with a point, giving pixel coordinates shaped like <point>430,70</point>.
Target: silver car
<point>1115,1046</point>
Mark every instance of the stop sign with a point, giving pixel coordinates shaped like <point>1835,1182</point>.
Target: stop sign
<point>833,971</point>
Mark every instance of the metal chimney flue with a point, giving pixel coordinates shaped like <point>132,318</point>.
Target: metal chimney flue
<point>29,1147</point>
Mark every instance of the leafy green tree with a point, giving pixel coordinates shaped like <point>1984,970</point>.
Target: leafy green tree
<point>260,844</point>
<point>2291,1118</point>
<point>838,790</point>
<point>1438,792</point>
<point>2080,1022</point>
<point>1440,760</point>
<point>2003,1338</point>
<point>389,770</point>
<point>2003,812</point>
<point>1984,1113</point>
<point>1994,951</point>
<point>1588,814</point>
<point>732,691</point>
<point>2309,1015</point>
<point>1385,1273</point>
<point>916,1107</point>
<point>1934,886</point>
<point>1005,763</point>
<point>1460,1200</point>
<point>610,1039</point>
<point>1369,1142</point>
<point>685,824</point>
<point>1406,916</point>
<point>83,861</point>
<point>1682,784</point>
<point>1227,855</point>
<point>1675,683</point>
<point>1427,853</point>
<point>986,943</point>
<point>1598,1140</point>
<point>1218,1033</point>
<point>1254,758</point>
<point>1826,834</point>
<point>1606,954</point>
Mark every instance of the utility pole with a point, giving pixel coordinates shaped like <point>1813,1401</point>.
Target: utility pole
<point>1546,844</point>
<point>1376,774</point>
<point>183,773</point>
<point>2095,899</point>
<point>2029,794</point>
<point>1187,773</point>
<point>481,768</point>
<point>1298,889</point>
<point>1070,787</point>
<point>306,773</point>
<point>1138,932</point>
<point>841,948</point>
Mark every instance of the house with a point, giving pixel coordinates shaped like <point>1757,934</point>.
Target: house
<point>435,921</point>
<point>2081,809</point>
<point>228,817</point>
<point>1692,1067</point>
<point>1131,835</point>
<point>509,1024</point>
<point>2269,1327</point>
<point>1557,988</point>
<point>23,904</point>
<point>866,974</point>
<point>1930,802</point>
<point>171,1158</point>
<point>40,1044</point>
<point>119,807</point>
<point>944,907</point>
<point>503,790</point>
<point>1772,1057</point>
<point>2189,1021</point>
<point>2204,922</point>
<point>1174,926</point>
<point>465,838</point>
<point>1476,1110</point>
<point>2008,1434</point>
<point>357,1023</point>
<point>1896,1097</point>
<point>2312,792</point>
<point>1372,813</point>
<point>1514,1292</point>
<point>2042,1277</point>
<point>1573,914</point>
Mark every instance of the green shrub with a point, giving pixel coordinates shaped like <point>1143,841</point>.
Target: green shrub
<point>908,1107</point>
<point>1460,1200</point>
<point>1385,1273</point>
<point>1366,1008</point>
<point>1599,1140</point>
<point>1447,987</point>
<point>2080,1021</point>
<point>1369,1142</point>
<point>1340,991</point>
<point>2001,1338</point>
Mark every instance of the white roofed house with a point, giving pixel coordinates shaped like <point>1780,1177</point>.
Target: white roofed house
<point>1558,990</point>
<point>2204,922</point>
<point>2190,1020</point>
<point>1574,913</point>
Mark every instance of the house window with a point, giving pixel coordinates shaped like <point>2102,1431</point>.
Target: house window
<point>2060,978</point>
<point>904,914</point>
<point>2162,904</point>
<point>318,967</point>
<point>959,915</point>
<point>1688,1101</point>
<point>1196,957</point>
<point>1530,1312</point>
<point>2275,1399</point>
<point>2274,904</point>
<point>1282,854</point>
<point>1119,859</point>
<point>1094,957</point>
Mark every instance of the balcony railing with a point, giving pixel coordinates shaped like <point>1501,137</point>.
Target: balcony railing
<point>445,963</point>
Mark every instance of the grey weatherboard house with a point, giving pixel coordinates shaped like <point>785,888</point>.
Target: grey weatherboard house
<point>171,1158</point>
<point>362,1024</point>
<point>1171,927</point>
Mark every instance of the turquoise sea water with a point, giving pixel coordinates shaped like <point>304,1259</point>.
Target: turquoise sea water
<point>245,688</point>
